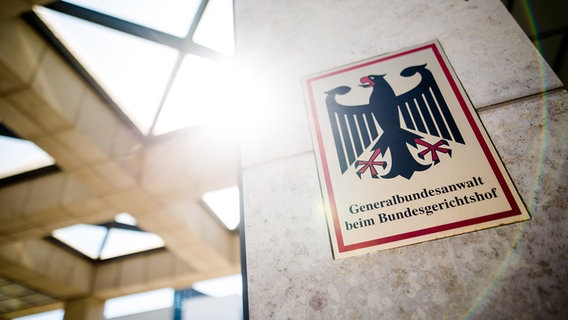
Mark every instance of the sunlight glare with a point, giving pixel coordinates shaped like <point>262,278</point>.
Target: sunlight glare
<point>215,28</point>
<point>242,107</point>
<point>193,98</point>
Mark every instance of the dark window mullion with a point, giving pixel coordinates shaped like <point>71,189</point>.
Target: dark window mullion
<point>25,176</point>
<point>117,24</point>
<point>194,49</point>
<point>191,47</point>
<point>124,226</point>
<point>103,244</point>
<point>195,22</point>
<point>5,131</point>
<point>45,31</point>
<point>167,91</point>
<point>205,52</point>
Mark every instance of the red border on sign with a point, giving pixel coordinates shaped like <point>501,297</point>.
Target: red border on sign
<point>515,210</point>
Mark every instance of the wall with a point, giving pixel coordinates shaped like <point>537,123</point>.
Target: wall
<point>514,271</point>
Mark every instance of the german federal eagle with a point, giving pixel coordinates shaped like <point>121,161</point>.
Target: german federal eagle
<point>422,109</point>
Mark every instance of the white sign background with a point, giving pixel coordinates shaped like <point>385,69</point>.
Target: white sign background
<point>357,208</point>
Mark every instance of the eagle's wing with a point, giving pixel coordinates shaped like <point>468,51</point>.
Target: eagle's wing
<point>354,129</point>
<point>424,108</point>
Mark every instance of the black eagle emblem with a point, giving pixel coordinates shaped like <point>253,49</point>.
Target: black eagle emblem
<point>422,109</point>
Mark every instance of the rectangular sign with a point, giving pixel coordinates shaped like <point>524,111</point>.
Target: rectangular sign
<point>402,155</point>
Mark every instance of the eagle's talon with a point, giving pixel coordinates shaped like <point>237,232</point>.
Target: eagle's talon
<point>370,164</point>
<point>434,149</point>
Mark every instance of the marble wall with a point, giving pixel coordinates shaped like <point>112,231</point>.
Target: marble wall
<point>515,271</point>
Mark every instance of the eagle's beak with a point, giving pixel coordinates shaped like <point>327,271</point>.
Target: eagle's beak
<point>366,82</point>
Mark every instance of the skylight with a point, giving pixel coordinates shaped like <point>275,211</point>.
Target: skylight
<point>225,204</point>
<point>154,60</point>
<point>169,16</point>
<point>19,156</point>
<point>121,242</point>
<point>109,240</point>
<point>133,71</point>
<point>85,238</point>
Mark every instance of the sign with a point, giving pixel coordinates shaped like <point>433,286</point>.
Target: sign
<point>402,155</point>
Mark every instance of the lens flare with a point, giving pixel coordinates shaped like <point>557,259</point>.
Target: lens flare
<point>529,13</point>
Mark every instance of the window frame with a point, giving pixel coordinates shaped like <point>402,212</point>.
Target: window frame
<point>183,46</point>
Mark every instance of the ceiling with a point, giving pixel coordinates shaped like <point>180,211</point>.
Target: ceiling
<point>107,167</point>
<point>14,296</point>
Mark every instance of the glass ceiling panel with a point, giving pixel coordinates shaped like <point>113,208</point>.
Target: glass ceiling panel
<point>133,71</point>
<point>19,156</point>
<point>169,16</point>
<point>195,96</point>
<point>225,204</point>
<point>125,218</point>
<point>84,238</point>
<point>109,240</point>
<point>121,242</point>
<point>216,28</point>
